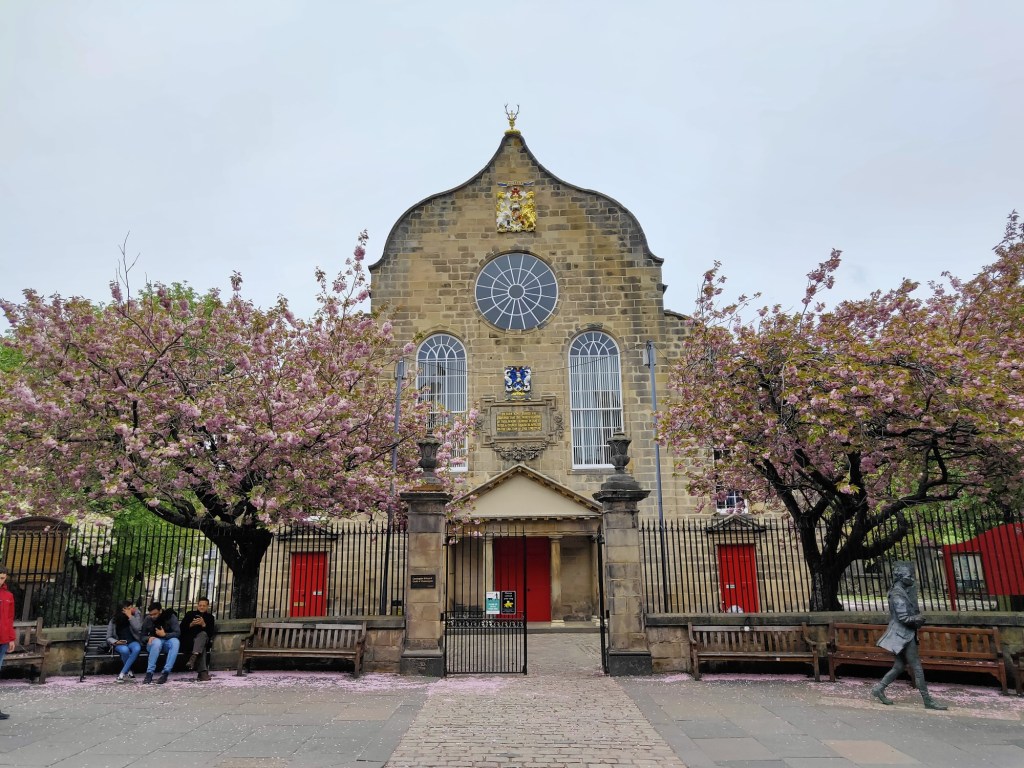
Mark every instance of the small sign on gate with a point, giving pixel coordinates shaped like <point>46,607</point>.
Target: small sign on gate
<point>492,603</point>
<point>508,602</point>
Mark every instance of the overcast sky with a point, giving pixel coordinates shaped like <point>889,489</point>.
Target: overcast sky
<point>263,136</point>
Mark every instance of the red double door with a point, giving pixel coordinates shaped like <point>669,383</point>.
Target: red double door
<point>509,574</point>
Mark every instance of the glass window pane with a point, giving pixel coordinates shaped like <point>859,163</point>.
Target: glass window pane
<point>595,397</point>
<point>441,380</point>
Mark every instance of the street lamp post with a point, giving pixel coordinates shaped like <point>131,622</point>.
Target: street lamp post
<point>649,362</point>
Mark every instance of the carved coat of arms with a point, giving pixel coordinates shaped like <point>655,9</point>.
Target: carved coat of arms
<point>516,209</point>
<point>517,382</point>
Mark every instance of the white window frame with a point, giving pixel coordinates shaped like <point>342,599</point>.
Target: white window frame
<point>595,397</point>
<point>728,501</point>
<point>442,380</point>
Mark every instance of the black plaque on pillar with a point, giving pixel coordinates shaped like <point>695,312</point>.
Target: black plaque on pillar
<point>423,581</point>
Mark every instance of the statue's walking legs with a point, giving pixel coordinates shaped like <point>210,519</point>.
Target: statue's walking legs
<point>908,657</point>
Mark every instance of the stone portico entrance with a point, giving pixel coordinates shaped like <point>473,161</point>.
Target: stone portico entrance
<point>561,529</point>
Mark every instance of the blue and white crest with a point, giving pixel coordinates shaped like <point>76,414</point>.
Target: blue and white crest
<point>517,382</point>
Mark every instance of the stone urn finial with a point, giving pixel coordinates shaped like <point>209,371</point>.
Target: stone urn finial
<point>428,457</point>
<point>621,480</point>
<point>620,457</point>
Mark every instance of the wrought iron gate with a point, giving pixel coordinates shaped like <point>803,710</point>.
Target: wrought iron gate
<point>485,603</point>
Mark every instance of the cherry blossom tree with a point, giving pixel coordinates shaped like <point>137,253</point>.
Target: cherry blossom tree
<point>850,417</point>
<point>214,413</point>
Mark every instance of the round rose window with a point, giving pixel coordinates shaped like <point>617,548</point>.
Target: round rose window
<point>516,292</point>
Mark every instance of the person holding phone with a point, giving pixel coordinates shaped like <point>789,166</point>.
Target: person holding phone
<point>162,632</point>
<point>197,630</point>
<point>124,634</point>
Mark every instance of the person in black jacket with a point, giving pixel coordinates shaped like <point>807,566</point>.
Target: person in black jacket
<point>197,630</point>
<point>124,635</point>
<point>161,631</point>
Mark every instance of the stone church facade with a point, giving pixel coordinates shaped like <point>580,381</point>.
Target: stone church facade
<point>532,300</point>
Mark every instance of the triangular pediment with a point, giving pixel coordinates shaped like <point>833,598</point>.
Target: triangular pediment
<point>521,493</point>
<point>744,523</point>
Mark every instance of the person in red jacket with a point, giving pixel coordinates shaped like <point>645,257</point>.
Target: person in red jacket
<point>6,622</point>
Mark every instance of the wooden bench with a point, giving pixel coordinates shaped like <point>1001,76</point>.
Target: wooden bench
<point>951,649</point>
<point>790,643</point>
<point>1017,667</point>
<point>303,640</point>
<point>29,648</point>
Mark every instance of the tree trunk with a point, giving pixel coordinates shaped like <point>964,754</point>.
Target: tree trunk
<point>825,571</point>
<point>243,550</point>
<point>825,590</point>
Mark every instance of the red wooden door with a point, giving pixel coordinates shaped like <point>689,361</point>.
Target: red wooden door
<point>309,584</point>
<point>737,578</point>
<point>508,574</point>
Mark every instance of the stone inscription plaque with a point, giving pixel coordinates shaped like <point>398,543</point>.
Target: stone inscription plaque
<point>518,421</point>
<point>519,431</point>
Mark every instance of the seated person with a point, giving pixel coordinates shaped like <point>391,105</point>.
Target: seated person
<point>124,634</point>
<point>161,631</point>
<point>197,630</point>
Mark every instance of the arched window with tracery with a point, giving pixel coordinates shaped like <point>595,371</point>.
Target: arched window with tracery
<point>595,397</point>
<point>441,381</point>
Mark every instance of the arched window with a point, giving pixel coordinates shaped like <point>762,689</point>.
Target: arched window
<point>595,397</point>
<point>441,381</point>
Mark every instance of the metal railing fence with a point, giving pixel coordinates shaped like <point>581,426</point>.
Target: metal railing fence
<point>78,575</point>
<point>967,559</point>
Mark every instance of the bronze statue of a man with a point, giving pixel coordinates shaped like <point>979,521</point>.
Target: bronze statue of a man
<point>900,637</point>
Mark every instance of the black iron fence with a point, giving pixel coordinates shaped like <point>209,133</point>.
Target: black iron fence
<point>966,559</point>
<point>76,575</point>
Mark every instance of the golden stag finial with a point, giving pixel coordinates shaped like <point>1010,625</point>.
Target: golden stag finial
<point>511,118</point>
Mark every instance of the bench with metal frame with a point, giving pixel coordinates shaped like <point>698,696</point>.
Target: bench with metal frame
<point>29,648</point>
<point>303,640</point>
<point>97,649</point>
<point>950,649</point>
<point>785,643</point>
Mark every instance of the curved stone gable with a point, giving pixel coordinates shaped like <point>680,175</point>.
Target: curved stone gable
<point>595,246</point>
<point>560,205</point>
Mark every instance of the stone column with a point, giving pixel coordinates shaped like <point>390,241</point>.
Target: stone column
<point>425,576</point>
<point>628,652</point>
<point>488,563</point>
<point>557,612</point>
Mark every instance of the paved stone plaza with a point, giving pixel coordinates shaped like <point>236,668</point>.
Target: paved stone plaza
<point>565,713</point>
